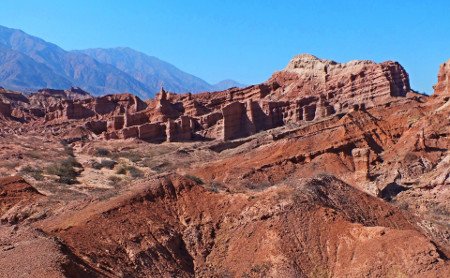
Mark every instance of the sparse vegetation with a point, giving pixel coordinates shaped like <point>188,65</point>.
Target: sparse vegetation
<point>130,155</point>
<point>257,186</point>
<point>114,180</point>
<point>34,154</point>
<point>157,166</point>
<point>105,163</point>
<point>35,173</point>
<point>10,164</point>
<point>195,179</point>
<point>102,152</point>
<point>121,170</point>
<point>131,170</point>
<point>214,186</point>
<point>65,170</point>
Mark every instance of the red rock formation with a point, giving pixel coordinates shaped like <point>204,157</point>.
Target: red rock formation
<point>443,85</point>
<point>262,206</point>
<point>152,132</point>
<point>14,191</point>
<point>233,120</point>
<point>308,89</point>
<point>5,109</point>
<point>322,226</point>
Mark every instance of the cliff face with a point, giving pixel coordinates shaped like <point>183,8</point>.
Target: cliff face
<point>309,89</point>
<point>443,85</point>
<point>363,81</point>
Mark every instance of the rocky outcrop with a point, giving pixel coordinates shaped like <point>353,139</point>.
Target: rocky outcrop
<point>287,202</point>
<point>443,85</point>
<point>152,132</point>
<point>15,191</point>
<point>233,120</point>
<point>292,223</point>
<point>5,109</point>
<point>349,83</point>
<point>180,130</point>
<point>72,93</point>
<point>361,162</point>
<point>309,89</point>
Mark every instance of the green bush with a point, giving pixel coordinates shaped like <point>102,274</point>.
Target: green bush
<point>65,170</point>
<point>35,173</point>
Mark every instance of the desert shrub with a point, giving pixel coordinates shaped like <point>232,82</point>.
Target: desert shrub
<point>10,164</point>
<point>68,150</point>
<point>96,165</point>
<point>35,173</point>
<point>215,186</point>
<point>135,172</point>
<point>34,154</point>
<point>157,166</point>
<point>132,156</point>
<point>108,163</point>
<point>257,186</point>
<point>105,163</point>
<point>121,170</point>
<point>113,180</point>
<point>102,152</point>
<point>195,179</point>
<point>261,269</point>
<point>131,170</point>
<point>65,170</point>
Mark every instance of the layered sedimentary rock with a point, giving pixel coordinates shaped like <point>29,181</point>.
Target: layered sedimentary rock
<point>308,89</point>
<point>443,85</point>
<point>349,83</point>
<point>322,226</point>
<point>361,161</point>
<point>5,109</point>
<point>13,191</point>
<point>286,202</point>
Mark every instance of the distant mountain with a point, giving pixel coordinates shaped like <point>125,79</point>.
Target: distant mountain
<point>29,63</point>
<point>149,70</point>
<point>226,84</point>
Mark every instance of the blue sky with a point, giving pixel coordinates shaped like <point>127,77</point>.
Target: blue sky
<point>247,40</point>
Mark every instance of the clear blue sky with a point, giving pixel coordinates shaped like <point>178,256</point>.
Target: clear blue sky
<point>247,40</point>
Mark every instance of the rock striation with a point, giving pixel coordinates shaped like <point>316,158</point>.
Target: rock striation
<point>317,179</point>
<point>443,85</point>
<point>308,89</point>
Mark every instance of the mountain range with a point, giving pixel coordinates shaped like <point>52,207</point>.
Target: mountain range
<point>28,63</point>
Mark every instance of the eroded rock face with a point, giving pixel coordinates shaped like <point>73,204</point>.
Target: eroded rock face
<point>5,109</point>
<point>15,192</point>
<point>443,85</point>
<point>342,180</point>
<point>308,89</point>
<point>341,228</point>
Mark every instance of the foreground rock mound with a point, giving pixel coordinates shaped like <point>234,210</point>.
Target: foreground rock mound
<point>321,227</point>
<point>15,191</point>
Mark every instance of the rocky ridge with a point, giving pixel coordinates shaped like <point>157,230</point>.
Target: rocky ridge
<point>326,169</point>
<point>308,89</point>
